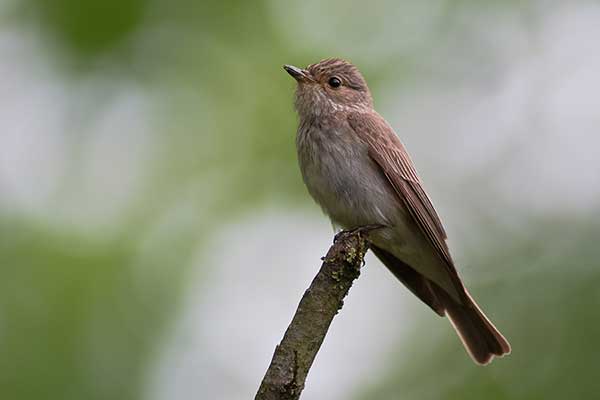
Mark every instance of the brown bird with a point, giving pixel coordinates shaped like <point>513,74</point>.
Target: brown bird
<point>358,171</point>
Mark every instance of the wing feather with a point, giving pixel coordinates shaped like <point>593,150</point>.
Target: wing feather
<point>386,149</point>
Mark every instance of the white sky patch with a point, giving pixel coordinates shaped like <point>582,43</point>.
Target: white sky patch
<point>530,128</point>
<point>32,143</point>
<point>47,120</point>
<point>116,152</point>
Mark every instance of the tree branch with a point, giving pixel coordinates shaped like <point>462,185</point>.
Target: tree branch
<point>284,379</point>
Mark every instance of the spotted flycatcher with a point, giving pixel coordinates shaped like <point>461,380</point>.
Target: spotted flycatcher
<point>358,171</point>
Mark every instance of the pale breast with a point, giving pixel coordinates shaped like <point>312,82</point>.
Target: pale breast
<point>342,178</point>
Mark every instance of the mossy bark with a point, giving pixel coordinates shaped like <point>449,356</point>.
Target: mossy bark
<point>285,377</point>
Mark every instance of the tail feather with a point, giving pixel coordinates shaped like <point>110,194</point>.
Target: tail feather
<point>479,336</point>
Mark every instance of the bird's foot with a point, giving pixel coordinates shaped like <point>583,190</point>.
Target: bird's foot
<point>364,229</point>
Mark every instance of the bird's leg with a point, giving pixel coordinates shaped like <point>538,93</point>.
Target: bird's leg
<point>360,229</point>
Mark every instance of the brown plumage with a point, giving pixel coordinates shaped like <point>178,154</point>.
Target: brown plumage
<point>356,168</point>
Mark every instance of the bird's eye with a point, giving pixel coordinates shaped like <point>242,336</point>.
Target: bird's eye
<point>335,82</point>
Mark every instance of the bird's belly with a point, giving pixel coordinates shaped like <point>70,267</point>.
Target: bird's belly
<point>351,190</point>
<point>358,199</point>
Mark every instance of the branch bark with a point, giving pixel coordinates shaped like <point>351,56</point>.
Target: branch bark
<point>285,377</point>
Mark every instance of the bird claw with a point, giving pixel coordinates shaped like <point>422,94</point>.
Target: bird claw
<point>359,230</point>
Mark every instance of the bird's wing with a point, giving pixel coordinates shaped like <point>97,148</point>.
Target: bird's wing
<point>386,149</point>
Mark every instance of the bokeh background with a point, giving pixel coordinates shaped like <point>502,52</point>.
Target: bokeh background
<point>155,236</point>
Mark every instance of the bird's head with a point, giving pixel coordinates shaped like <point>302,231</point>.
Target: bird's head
<point>330,86</point>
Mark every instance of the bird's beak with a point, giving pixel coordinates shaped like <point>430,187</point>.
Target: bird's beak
<point>298,74</point>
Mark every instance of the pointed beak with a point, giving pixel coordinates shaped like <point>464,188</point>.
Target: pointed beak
<point>298,74</point>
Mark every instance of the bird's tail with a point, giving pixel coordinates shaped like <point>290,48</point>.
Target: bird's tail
<point>479,336</point>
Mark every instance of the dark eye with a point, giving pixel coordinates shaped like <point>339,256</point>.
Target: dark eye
<point>334,82</point>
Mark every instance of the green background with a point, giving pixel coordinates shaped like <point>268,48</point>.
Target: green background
<point>135,131</point>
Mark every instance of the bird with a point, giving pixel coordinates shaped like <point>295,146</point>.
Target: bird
<point>357,169</point>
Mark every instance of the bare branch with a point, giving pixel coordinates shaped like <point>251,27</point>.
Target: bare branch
<point>285,377</point>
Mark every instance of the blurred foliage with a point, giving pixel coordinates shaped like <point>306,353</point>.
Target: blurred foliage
<point>82,313</point>
<point>75,321</point>
<point>87,27</point>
